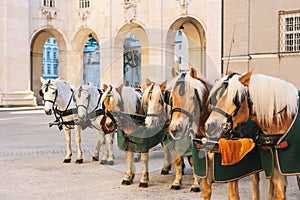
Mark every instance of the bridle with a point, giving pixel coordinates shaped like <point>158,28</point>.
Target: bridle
<point>227,127</point>
<point>150,93</point>
<point>85,107</point>
<point>47,87</point>
<point>197,102</point>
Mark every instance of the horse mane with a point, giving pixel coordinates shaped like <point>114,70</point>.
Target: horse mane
<point>155,92</point>
<point>270,96</point>
<point>191,82</point>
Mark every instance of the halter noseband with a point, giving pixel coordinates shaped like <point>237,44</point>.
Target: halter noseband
<point>227,127</point>
<point>47,86</point>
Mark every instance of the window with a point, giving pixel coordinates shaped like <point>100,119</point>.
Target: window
<point>48,69</point>
<point>49,3</point>
<point>48,53</point>
<point>84,3</point>
<point>289,32</point>
<point>55,69</point>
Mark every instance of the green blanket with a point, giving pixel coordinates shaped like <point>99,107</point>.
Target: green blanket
<point>141,140</point>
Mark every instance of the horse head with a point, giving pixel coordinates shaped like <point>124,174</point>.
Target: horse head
<point>188,100</point>
<point>153,103</point>
<point>230,106</point>
<point>82,99</point>
<point>268,101</point>
<point>49,93</point>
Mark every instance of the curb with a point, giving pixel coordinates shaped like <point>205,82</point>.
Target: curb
<point>6,109</point>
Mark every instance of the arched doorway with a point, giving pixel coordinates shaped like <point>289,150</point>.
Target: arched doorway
<point>193,44</point>
<point>132,61</point>
<point>36,57</point>
<point>121,67</point>
<point>91,62</point>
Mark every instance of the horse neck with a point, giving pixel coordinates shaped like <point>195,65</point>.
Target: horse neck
<point>64,95</point>
<point>275,127</point>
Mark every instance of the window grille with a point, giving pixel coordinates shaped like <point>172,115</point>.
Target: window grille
<point>84,3</point>
<point>49,3</point>
<point>289,31</point>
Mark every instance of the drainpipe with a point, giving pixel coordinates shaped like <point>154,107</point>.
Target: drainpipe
<point>222,35</point>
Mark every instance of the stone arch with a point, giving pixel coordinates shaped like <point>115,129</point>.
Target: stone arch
<point>195,33</point>
<point>78,42</point>
<point>37,42</point>
<point>114,69</point>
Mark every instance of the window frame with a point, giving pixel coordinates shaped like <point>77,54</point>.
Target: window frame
<point>48,3</point>
<point>84,4</point>
<point>289,29</point>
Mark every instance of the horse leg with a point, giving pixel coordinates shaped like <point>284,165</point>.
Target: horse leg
<point>129,176</point>
<point>207,182</point>
<point>100,142</point>
<point>79,159</point>
<point>255,186</point>
<point>145,174</point>
<point>298,181</point>
<point>167,161</point>
<point>178,177</point>
<point>233,190</point>
<point>195,186</point>
<point>67,159</point>
<point>109,149</point>
<point>280,183</point>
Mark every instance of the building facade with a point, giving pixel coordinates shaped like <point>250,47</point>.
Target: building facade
<point>26,25</point>
<point>264,35</point>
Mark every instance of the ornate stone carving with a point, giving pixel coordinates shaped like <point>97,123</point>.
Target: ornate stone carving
<point>130,10</point>
<point>84,13</point>
<point>49,12</point>
<point>184,6</point>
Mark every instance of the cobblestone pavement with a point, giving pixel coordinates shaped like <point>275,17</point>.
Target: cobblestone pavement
<point>31,167</point>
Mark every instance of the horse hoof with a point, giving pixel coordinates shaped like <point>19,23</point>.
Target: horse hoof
<point>175,187</point>
<point>143,185</point>
<point>195,189</point>
<point>95,158</point>
<point>110,162</point>
<point>103,162</point>
<point>164,172</point>
<point>79,161</point>
<point>67,160</point>
<point>126,182</point>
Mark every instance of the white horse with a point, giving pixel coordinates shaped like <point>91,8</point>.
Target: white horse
<point>127,100</point>
<point>90,113</point>
<point>57,96</point>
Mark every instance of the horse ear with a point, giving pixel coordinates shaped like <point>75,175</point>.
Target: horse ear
<point>174,72</point>
<point>148,82</point>
<point>55,81</point>
<point>193,73</point>
<point>245,78</point>
<point>163,85</point>
<point>119,89</point>
<point>105,86</point>
<point>229,72</point>
<point>43,80</point>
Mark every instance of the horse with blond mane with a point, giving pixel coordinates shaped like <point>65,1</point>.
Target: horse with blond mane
<point>272,104</point>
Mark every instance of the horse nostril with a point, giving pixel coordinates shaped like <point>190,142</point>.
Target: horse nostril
<point>210,127</point>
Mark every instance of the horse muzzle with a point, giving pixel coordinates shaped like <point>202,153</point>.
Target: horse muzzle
<point>214,130</point>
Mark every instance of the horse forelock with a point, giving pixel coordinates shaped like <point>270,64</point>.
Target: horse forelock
<point>271,95</point>
<point>155,94</point>
<point>235,89</point>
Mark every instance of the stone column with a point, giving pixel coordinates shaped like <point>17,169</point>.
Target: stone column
<point>14,52</point>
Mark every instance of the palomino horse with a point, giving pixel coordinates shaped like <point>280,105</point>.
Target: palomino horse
<point>157,112</point>
<point>90,113</point>
<point>57,96</point>
<point>269,102</point>
<point>127,100</point>
<point>189,109</point>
